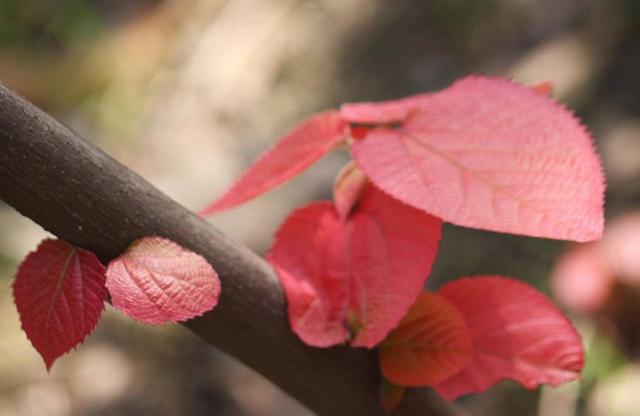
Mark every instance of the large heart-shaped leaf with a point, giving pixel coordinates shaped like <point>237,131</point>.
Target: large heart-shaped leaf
<point>353,278</point>
<point>491,154</point>
<point>59,291</point>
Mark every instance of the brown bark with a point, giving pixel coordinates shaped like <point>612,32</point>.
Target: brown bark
<point>83,196</point>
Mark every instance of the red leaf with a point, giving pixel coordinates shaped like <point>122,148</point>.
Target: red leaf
<point>543,88</point>
<point>291,155</point>
<point>156,281</point>
<point>59,292</point>
<point>357,277</point>
<point>431,343</point>
<point>347,189</point>
<point>308,260</point>
<point>491,154</point>
<point>517,334</point>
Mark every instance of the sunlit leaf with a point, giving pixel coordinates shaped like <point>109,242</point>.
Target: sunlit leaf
<point>491,154</point>
<point>157,281</point>
<point>293,153</point>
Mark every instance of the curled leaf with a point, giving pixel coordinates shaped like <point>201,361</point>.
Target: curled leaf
<point>517,334</point>
<point>431,343</point>
<point>157,281</point>
<point>59,292</point>
<point>491,154</point>
<point>347,189</point>
<point>295,152</point>
<point>353,279</point>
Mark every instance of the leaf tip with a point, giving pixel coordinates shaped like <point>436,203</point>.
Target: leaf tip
<point>293,153</point>
<point>543,88</point>
<point>390,395</point>
<point>348,187</point>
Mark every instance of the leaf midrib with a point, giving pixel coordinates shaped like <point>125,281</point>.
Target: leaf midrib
<point>56,293</point>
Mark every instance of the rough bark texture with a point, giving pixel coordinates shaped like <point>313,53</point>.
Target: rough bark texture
<point>83,196</point>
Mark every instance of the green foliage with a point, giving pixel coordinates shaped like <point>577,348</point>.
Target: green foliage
<point>52,24</point>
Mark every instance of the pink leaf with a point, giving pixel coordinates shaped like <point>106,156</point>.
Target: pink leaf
<point>156,281</point>
<point>353,278</point>
<point>517,334</point>
<point>621,248</point>
<point>347,189</point>
<point>308,259</point>
<point>384,112</point>
<point>582,279</point>
<point>398,110</point>
<point>585,276</point>
<point>431,343</point>
<point>491,154</point>
<point>291,155</point>
<point>59,292</point>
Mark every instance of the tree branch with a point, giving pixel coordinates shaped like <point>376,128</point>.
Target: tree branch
<point>83,196</point>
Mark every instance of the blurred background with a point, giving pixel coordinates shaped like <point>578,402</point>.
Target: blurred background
<point>188,92</point>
